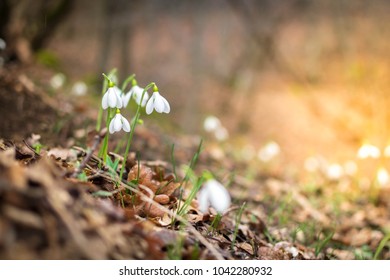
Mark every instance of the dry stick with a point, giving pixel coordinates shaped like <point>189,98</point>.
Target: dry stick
<point>32,149</point>
<point>98,138</point>
<point>200,237</point>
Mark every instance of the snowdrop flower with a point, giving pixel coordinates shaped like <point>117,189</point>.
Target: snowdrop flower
<point>57,81</point>
<point>158,103</point>
<point>368,150</point>
<point>118,123</point>
<point>269,151</point>
<point>215,195</point>
<point>382,177</point>
<point>334,172</point>
<point>211,123</point>
<point>79,89</point>
<point>112,97</point>
<point>136,93</point>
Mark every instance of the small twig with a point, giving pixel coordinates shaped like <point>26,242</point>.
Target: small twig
<point>98,138</point>
<point>32,149</point>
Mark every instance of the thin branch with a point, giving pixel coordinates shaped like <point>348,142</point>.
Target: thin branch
<point>98,138</point>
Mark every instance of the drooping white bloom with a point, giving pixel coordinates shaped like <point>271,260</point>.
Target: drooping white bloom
<point>57,81</point>
<point>368,150</point>
<point>118,123</point>
<point>112,98</point>
<point>158,103</point>
<point>211,123</point>
<point>215,195</point>
<point>136,93</point>
<point>383,177</point>
<point>334,171</point>
<point>269,151</point>
<point>79,89</point>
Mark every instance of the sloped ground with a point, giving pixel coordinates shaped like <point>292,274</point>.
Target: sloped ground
<point>49,211</point>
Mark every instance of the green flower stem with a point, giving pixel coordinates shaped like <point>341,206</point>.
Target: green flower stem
<point>100,114</point>
<point>133,125</point>
<point>126,82</point>
<point>104,148</point>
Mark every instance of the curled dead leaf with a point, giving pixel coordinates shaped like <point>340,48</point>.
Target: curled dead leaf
<point>153,211</point>
<point>162,199</point>
<point>143,175</point>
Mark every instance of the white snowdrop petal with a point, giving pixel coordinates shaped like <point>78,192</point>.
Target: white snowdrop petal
<point>167,108</point>
<point>118,100</point>
<point>105,101</point>
<point>145,99</point>
<point>136,89</point>
<point>218,195</point>
<point>117,122</point>
<point>149,106</point>
<point>125,124</point>
<point>111,127</point>
<point>158,103</point>
<point>111,98</point>
<point>125,99</point>
<point>203,200</point>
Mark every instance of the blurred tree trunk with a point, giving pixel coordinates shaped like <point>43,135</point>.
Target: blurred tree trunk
<point>27,24</point>
<point>262,20</point>
<point>118,21</point>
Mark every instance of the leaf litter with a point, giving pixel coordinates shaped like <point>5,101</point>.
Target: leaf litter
<point>65,203</point>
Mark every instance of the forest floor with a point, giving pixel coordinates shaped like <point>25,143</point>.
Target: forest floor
<point>51,208</point>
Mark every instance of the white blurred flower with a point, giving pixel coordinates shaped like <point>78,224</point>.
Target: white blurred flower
<point>3,44</point>
<point>136,93</point>
<point>383,177</point>
<point>269,151</point>
<point>118,123</point>
<point>386,152</point>
<point>215,195</point>
<point>368,150</point>
<point>334,171</point>
<point>112,98</point>
<point>293,251</point>
<point>57,81</point>
<point>221,133</point>
<point>350,168</point>
<point>157,102</point>
<point>211,123</point>
<point>79,89</point>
